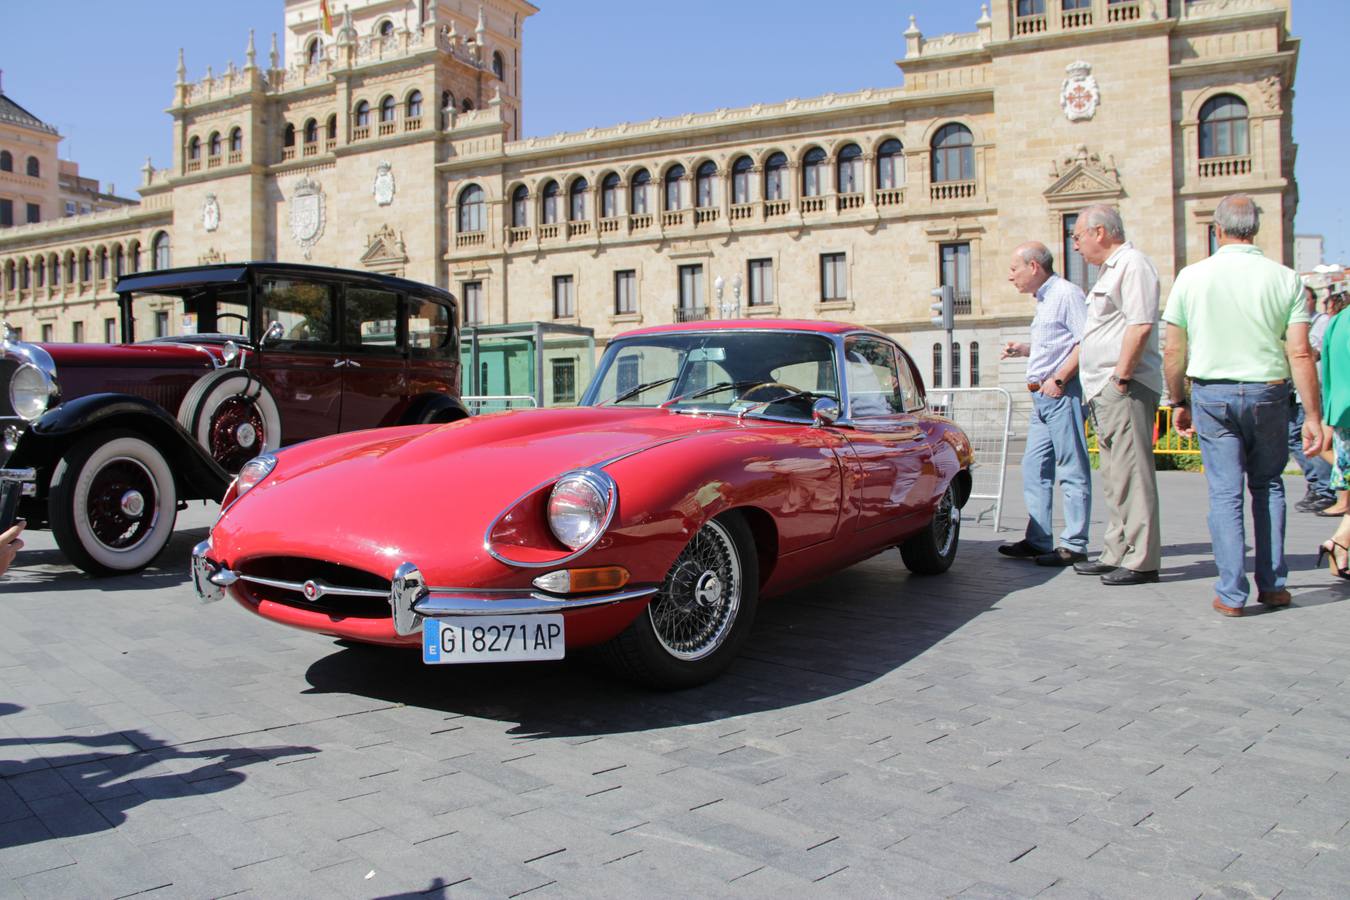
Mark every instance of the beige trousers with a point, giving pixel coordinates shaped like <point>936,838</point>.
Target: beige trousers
<point>1124,425</point>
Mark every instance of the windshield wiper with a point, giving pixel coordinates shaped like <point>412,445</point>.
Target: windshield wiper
<point>712,389</point>
<point>763,403</point>
<point>638,389</point>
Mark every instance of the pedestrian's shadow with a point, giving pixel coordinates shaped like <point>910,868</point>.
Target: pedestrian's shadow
<point>814,643</point>
<point>83,793</point>
<point>43,571</point>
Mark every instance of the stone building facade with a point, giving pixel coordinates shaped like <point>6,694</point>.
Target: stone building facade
<point>393,145</point>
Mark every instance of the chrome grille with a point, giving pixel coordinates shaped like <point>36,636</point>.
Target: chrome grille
<point>334,589</point>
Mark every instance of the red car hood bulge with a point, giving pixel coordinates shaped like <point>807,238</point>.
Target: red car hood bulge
<point>138,356</point>
<point>376,499</point>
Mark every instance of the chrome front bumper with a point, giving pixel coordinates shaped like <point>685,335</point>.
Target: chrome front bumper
<point>410,600</point>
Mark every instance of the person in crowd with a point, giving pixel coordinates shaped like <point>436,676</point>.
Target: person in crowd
<point>1336,433</point>
<point>1056,444</point>
<point>1121,371</point>
<point>1332,305</point>
<point>10,545</point>
<point>1316,470</point>
<point>1237,326</point>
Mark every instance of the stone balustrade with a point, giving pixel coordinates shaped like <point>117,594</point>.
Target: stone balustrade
<point>952,190</point>
<point>1225,167</point>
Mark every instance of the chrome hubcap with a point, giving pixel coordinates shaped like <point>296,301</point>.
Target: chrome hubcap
<point>708,592</point>
<point>133,504</point>
<point>246,435</point>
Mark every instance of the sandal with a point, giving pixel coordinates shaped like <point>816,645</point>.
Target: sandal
<point>1329,549</point>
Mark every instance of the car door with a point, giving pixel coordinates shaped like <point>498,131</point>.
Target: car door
<point>889,448</point>
<point>300,362</point>
<point>374,365</point>
<point>433,354</point>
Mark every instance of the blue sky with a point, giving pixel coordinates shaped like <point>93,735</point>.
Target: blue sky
<point>103,72</point>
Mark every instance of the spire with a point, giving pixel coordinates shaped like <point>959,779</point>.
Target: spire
<point>182,68</point>
<point>481,31</point>
<point>913,28</point>
<point>147,172</point>
<point>251,54</point>
<point>275,56</point>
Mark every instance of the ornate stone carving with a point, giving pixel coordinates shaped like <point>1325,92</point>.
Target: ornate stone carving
<point>307,213</point>
<point>1272,88</point>
<point>211,213</point>
<point>1083,176</point>
<point>385,249</point>
<point>1079,95</point>
<point>211,257</point>
<point>383,189</point>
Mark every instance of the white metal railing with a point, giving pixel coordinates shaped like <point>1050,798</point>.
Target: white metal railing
<point>985,415</point>
<point>486,403</point>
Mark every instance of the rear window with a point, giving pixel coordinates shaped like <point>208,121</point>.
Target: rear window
<point>430,332</point>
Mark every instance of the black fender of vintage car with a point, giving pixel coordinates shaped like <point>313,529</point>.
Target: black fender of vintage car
<point>434,407</point>
<point>43,444</point>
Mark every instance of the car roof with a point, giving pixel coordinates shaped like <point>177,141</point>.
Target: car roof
<point>230,273</point>
<point>814,325</point>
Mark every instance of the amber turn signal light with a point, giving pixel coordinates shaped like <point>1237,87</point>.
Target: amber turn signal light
<point>583,581</point>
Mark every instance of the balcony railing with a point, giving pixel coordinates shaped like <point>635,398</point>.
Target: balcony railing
<point>691,313</point>
<point>953,190</point>
<point>890,196</point>
<point>579,228</point>
<point>193,165</point>
<point>548,231</point>
<point>236,156</point>
<point>963,305</point>
<point>470,239</point>
<point>213,162</point>
<point>813,204</point>
<point>706,215</point>
<point>516,235</point>
<point>742,211</point>
<point>412,124</point>
<point>773,208</point>
<point>360,132</point>
<point>1225,167</point>
<point>672,218</point>
<point>639,221</point>
<point>1122,11</point>
<point>609,226</point>
<point>287,153</point>
<point>329,145</point>
<point>1075,18</point>
<point>1030,24</point>
<point>387,128</point>
<point>849,201</point>
<point>310,148</point>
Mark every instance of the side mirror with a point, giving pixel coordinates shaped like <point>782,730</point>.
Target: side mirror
<point>273,334</point>
<point>824,411</point>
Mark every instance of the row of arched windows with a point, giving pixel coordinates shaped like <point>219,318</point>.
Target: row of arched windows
<point>74,267</point>
<point>387,109</point>
<point>955,372</point>
<point>214,144</point>
<point>7,164</point>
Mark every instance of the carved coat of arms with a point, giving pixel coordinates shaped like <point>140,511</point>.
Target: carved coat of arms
<point>307,213</point>
<point>211,213</point>
<point>384,184</point>
<point>1079,96</point>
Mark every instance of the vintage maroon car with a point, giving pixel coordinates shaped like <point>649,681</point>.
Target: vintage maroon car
<point>710,464</point>
<point>240,359</point>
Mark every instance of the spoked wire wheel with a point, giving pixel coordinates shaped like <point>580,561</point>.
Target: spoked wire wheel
<point>698,603</point>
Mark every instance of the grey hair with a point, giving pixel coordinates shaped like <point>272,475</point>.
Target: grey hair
<point>1107,217</point>
<point>1038,253</point>
<point>1238,216</point>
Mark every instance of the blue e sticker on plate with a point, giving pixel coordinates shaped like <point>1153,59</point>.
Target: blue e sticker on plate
<point>431,641</point>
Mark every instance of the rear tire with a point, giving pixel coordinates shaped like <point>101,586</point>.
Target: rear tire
<point>233,415</point>
<point>113,503</point>
<point>695,625</point>
<point>933,550</point>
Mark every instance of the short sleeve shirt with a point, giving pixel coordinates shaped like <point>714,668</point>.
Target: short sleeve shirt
<point>1236,308</point>
<point>1126,293</point>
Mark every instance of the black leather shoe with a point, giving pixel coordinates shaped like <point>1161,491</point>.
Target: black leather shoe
<point>1094,567</point>
<point>1130,576</point>
<point>1061,557</point>
<point>1020,550</point>
<point>1314,503</point>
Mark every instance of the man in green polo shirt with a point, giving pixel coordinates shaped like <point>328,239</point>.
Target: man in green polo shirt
<point>1242,319</point>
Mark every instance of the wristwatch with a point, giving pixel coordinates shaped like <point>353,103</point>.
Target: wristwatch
<point>1059,383</point>
<point>1117,380</point>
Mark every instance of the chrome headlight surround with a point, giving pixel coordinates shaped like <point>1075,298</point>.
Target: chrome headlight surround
<point>252,473</point>
<point>580,507</point>
<point>31,392</point>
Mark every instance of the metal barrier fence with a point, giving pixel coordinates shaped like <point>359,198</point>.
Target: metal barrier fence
<point>486,403</point>
<point>985,415</point>
<point>1166,442</point>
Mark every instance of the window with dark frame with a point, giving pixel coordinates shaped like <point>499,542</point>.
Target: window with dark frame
<point>705,182</point>
<point>564,381</point>
<point>1212,238</point>
<point>740,179</point>
<point>161,323</point>
<point>6,213</point>
<point>47,332</point>
<point>956,364</point>
<point>774,168</point>
<point>761,282</point>
<point>609,195</point>
<point>625,292</point>
<point>34,213</point>
<point>833,277</point>
<point>691,287</point>
<point>564,298</point>
<point>77,332</point>
<point>472,210</point>
<point>637,201</point>
<point>974,363</point>
<point>550,208</point>
<point>953,154</point>
<point>1223,127</point>
<point>890,165</point>
<point>474,312</point>
<point>674,175</point>
<point>576,200</point>
<point>813,172</point>
<point>1076,269</point>
<point>109,330</point>
<point>849,172</point>
<point>520,205</point>
<point>955,260</point>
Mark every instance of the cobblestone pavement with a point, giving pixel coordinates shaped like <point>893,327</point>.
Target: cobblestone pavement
<point>1005,730</point>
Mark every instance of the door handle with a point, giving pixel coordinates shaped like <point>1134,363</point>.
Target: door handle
<point>353,363</point>
<point>339,363</point>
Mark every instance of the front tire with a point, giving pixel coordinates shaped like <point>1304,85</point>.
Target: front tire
<point>113,503</point>
<point>695,625</point>
<point>933,550</point>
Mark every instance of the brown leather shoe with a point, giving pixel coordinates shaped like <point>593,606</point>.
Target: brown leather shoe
<point>1274,599</point>
<point>1224,609</point>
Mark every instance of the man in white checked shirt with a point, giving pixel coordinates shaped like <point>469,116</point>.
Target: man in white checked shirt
<point>1056,445</point>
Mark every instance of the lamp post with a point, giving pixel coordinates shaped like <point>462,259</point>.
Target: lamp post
<point>736,284</point>
<point>718,284</point>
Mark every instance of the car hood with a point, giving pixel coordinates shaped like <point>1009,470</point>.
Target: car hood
<point>130,356</point>
<point>375,499</point>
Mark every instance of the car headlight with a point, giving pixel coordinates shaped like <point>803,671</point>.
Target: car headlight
<point>30,391</point>
<point>580,506</point>
<point>253,472</point>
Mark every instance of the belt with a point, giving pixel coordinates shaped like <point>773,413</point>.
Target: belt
<point>1033,386</point>
<point>1208,381</point>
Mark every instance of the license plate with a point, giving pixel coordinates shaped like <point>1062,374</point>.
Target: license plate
<point>466,639</point>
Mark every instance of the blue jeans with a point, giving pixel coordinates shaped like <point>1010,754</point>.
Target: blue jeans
<point>1057,451</point>
<point>1244,433</point>
<point>1316,470</point>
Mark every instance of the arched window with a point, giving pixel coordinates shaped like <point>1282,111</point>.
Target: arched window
<point>953,154</point>
<point>386,28</point>
<point>576,200</point>
<point>288,136</point>
<point>86,266</point>
<point>195,149</point>
<point>705,180</point>
<point>70,268</point>
<point>134,256</point>
<point>956,364</point>
<point>974,363</point>
<point>363,114</point>
<point>6,161</point>
<point>119,261</point>
<point>415,105</point>
<point>387,109</point>
<point>609,195</point>
<point>10,276</point>
<point>56,270</point>
<point>159,248</point>
<point>775,169</point>
<point>849,171</point>
<point>313,52</point>
<point>213,145</point>
<point>740,179</point>
<point>813,172</point>
<point>34,170</point>
<point>498,65</point>
<point>890,165</point>
<point>471,209</point>
<point>467,105</point>
<point>102,263</point>
<point>236,140</point>
<point>550,197</point>
<point>637,200</point>
<point>23,275</point>
<point>937,365</point>
<point>332,127</point>
<point>1223,127</point>
<point>520,205</point>
<point>40,272</point>
<point>311,131</point>
<point>673,176</point>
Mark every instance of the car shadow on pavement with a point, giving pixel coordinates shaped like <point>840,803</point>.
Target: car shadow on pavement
<point>812,644</point>
<point>91,791</point>
<point>41,571</point>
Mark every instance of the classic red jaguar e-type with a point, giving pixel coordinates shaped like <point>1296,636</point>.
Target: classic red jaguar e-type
<point>710,464</point>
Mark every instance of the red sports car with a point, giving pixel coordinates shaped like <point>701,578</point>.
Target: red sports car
<point>709,465</point>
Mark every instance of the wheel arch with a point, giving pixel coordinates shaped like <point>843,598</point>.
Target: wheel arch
<point>962,484</point>
<point>426,406</point>
<point>764,530</point>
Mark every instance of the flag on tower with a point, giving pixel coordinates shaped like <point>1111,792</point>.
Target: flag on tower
<point>327,17</point>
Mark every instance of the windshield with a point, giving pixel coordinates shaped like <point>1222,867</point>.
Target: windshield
<point>774,373</point>
<point>213,309</point>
